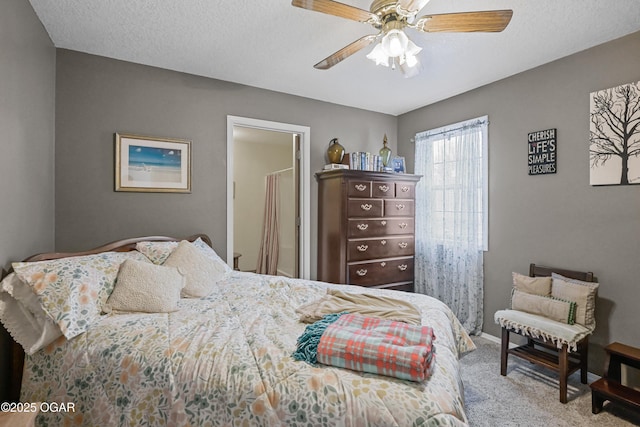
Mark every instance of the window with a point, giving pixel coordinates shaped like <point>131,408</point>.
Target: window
<point>453,161</point>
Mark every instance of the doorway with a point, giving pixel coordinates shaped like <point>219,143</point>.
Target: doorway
<point>257,149</point>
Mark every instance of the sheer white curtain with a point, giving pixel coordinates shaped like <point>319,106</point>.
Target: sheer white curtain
<point>451,217</point>
<point>269,245</point>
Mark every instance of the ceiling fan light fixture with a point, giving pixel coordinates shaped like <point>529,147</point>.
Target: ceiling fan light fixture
<point>410,60</point>
<point>394,42</point>
<point>378,56</point>
<point>412,48</point>
<point>396,50</point>
<point>411,67</point>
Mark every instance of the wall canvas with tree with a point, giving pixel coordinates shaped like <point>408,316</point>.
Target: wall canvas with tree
<point>614,137</point>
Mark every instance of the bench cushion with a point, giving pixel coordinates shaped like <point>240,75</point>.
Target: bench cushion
<point>535,326</point>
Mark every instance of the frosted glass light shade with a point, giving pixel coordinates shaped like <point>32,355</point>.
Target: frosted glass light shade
<point>394,43</point>
<point>378,56</point>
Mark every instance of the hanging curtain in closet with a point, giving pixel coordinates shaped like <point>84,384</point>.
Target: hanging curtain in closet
<point>269,246</point>
<point>450,207</point>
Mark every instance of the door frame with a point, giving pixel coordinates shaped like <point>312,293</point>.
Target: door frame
<point>304,196</point>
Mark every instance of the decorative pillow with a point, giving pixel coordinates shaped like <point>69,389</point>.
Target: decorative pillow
<point>145,287</point>
<point>22,316</point>
<point>200,271</point>
<point>582,293</point>
<point>73,290</point>
<point>158,252</point>
<point>211,254</point>
<point>549,307</point>
<point>532,285</point>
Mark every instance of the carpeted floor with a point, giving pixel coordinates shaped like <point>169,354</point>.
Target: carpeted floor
<point>528,395</point>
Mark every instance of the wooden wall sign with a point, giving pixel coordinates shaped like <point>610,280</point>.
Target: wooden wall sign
<point>543,146</point>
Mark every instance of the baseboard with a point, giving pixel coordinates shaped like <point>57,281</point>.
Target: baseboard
<point>591,377</point>
<point>495,339</point>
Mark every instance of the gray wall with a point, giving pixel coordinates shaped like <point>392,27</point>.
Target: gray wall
<point>96,97</point>
<point>27,76</point>
<point>559,219</point>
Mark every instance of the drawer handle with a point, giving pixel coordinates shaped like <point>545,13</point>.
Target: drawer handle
<point>404,189</point>
<point>362,272</point>
<point>383,222</point>
<point>383,264</point>
<point>360,187</point>
<point>384,188</point>
<point>402,225</point>
<point>399,206</point>
<point>403,245</point>
<point>366,207</point>
<point>363,248</point>
<point>383,242</point>
<point>402,267</point>
<point>362,227</point>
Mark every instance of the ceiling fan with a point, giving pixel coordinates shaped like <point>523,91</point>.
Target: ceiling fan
<point>390,18</point>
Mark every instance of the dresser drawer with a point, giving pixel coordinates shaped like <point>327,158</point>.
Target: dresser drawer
<point>380,227</point>
<point>383,189</point>
<point>398,207</point>
<point>405,190</point>
<point>380,272</point>
<point>364,208</point>
<point>358,188</point>
<point>359,250</point>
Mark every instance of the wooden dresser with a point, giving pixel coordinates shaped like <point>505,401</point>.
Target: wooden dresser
<point>366,223</point>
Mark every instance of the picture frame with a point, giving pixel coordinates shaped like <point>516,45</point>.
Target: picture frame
<point>613,137</point>
<point>397,163</point>
<point>152,164</point>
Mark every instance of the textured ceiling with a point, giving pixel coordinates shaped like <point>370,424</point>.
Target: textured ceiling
<point>273,45</point>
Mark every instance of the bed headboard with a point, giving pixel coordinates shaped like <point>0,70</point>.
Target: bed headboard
<point>12,364</point>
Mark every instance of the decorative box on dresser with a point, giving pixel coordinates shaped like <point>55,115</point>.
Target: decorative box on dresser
<point>366,223</point>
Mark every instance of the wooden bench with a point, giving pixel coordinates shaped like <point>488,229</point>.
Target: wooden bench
<point>537,351</point>
<point>610,386</point>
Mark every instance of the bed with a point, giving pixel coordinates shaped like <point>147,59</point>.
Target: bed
<point>220,359</point>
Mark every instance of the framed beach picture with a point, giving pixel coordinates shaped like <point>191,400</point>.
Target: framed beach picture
<point>150,164</point>
<point>397,163</point>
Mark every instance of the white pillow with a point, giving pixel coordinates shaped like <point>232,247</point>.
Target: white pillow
<point>158,252</point>
<point>200,270</point>
<point>145,287</point>
<point>211,254</point>
<point>23,317</point>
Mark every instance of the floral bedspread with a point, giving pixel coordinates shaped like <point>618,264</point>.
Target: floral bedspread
<point>225,360</point>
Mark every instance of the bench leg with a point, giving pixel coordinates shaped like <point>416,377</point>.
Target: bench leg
<point>584,359</point>
<point>563,356</point>
<point>504,351</point>
<point>596,403</point>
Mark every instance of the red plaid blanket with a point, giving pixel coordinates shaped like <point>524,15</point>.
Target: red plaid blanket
<point>378,346</point>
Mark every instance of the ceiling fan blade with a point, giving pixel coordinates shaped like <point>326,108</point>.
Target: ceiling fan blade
<point>487,21</point>
<point>346,52</point>
<point>412,5</point>
<point>337,9</point>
